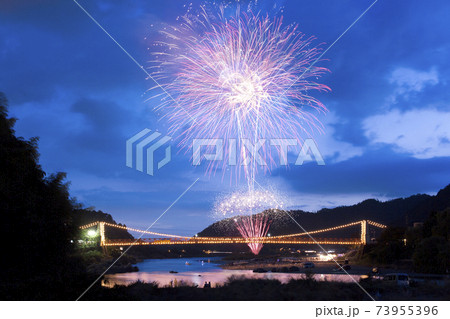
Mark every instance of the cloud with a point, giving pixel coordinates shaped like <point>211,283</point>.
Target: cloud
<point>331,147</point>
<point>68,83</point>
<point>377,173</point>
<point>423,133</point>
<point>409,81</point>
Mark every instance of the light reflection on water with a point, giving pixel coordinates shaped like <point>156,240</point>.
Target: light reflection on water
<point>197,273</point>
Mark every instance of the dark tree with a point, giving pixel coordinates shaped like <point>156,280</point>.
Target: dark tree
<point>36,220</point>
<point>432,255</point>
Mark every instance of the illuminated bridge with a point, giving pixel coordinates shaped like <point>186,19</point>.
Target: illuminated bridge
<point>297,238</point>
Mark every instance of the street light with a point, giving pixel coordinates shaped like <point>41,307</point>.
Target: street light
<point>92,233</point>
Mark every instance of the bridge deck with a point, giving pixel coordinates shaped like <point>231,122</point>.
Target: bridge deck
<point>174,241</point>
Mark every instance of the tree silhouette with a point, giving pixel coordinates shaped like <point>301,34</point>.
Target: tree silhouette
<point>36,214</point>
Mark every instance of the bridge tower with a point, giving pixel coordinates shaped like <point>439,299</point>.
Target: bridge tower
<point>101,231</point>
<point>365,237</point>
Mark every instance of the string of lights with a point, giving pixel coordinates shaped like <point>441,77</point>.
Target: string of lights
<point>89,225</point>
<point>350,241</point>
<point>364,232</point>
<point>376,224</point>
<point>280,239</point>
<point>320,230</point>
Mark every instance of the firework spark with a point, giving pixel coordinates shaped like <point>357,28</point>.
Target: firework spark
<point>245,202</point>
<point>242,78</point>
<point>238,77</point>
<point>243,206</point>
<point>253,226</point>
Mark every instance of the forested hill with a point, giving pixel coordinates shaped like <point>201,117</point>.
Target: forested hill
<point>397,212</point>
<point>40,221</point>
<point>87,215</point>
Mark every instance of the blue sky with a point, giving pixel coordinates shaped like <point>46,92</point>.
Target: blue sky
<point>387,133</point>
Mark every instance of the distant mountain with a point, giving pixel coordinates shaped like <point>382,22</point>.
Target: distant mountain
<point>397,212</point>
<point>432,203</point>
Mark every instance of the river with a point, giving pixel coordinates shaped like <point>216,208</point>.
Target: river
<point>199,270</point>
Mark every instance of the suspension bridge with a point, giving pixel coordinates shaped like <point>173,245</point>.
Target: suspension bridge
<point>296,238</point>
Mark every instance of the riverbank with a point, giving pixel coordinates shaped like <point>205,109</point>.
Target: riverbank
<point>320,267</point>
<point>327,268</point>
<point>240,289</point>
<point>97,262</point>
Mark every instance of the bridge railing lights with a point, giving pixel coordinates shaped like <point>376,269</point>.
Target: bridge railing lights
<point>280,239</point>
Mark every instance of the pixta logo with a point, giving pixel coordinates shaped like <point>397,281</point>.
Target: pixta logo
<point>216,151</point>
<point>143,146</point>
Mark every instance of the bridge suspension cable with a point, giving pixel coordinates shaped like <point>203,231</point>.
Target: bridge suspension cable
<point>331,229</point>
<point>281,239</point>
<point>132,229</point>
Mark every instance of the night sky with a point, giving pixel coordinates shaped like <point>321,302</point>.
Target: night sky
<point>387,132</point>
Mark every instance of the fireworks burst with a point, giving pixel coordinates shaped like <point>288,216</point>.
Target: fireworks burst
<point>242,206</point>
<point>245,202</point>
<point>253,226</point>
<point>243,76</point>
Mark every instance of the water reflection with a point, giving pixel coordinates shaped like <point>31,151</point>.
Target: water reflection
<point>194,271</point>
